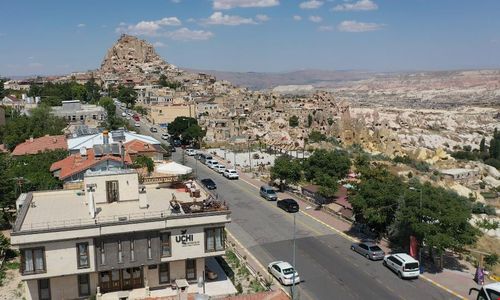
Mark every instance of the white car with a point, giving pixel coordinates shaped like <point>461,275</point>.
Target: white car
<point>230,174</point>
<point>137,124</point>
<point>211,163</point>
<point>124,114</point>
<point>191,152</point>
<point>165,136</point>
<point>284,272</point>
<point>403,265</point>
<point>220,168</point>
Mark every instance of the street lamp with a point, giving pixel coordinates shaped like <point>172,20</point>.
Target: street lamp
<point>422,242</point>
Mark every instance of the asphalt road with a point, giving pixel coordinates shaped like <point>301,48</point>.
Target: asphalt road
<point>327,266</point>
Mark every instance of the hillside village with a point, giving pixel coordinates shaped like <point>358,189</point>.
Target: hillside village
<point>414,141</point>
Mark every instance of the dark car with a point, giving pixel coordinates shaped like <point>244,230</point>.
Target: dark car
<point>369,250</point>
<point>288,205</point>
<point>209,183</point>
<point>172,148</point>
<point>153,129</point>
<point>177,143</point>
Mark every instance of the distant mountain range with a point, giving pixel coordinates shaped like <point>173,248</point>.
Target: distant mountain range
<point>262,81</point>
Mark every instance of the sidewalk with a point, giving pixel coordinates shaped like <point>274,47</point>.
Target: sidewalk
<point>455,282</point>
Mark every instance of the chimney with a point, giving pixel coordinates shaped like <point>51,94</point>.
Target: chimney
<point>105,137</point>
<point>31,139</point>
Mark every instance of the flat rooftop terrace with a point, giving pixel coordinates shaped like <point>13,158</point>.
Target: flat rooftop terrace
<point>69,208</point>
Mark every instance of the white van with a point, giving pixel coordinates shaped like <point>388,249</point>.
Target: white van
<point>211,163</point>
<point>403,264</point>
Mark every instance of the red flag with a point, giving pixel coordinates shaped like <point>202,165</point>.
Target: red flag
<point>413,246</point>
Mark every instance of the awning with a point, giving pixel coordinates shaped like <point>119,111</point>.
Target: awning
<point>173,168</point>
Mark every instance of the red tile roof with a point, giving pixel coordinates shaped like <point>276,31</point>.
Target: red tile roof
<point>77,163</point>
<point>138,147</point>
<point>271,295</point>
<point>41,144</point>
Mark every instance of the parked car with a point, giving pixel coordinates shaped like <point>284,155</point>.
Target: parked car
<point>209,183</point>
<point>488,291</point>
<point>219,168</point>
<point>191,152</point>
<point>369,250</point>
<point>137,124</point>
<point>230,174</point>
<point>153,129</point>
<point>211,163</point>
<point>268,193</point>
<point>177,143</point>
<point>172,148</point>
<point>288,205</point>
<point>165,136</point>
<point>124,114</point>
<point>284,272</point>
<point>205,157</point>
<point>403,265</point>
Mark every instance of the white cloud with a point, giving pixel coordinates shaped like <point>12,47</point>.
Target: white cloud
<point>148,28</point>
<point>35,65</point>
<point>297,18</point>
<point>355,26</point>
<point>159,45</point>
<point>359,5</point>
<point>312,4</point>
<point>81,25</point>
<point>262,18</point>
<point>218,18</point>
<point>175,1</point>
<point>315,19</point>
<point>185,34</point>
<point>228,4</point>
<point>325,28</point>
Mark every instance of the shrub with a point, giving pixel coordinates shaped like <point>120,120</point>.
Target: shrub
<point>491,260</point>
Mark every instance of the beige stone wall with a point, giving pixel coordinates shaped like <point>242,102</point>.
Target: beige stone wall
<point>61,259</point>
<point>64,287</point>
<point>127,183</point>
<point>161,114</point>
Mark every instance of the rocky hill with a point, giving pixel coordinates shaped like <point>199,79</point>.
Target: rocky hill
<point>132,55</point>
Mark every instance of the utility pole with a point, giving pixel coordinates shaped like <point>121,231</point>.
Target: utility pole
<point>293,259</point>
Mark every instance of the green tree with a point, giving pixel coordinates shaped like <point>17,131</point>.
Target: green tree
<point>287,169</point>
<point>141,110</point>
<point>127,95</point>
<point>145,162</point>
<point>180,124</point>
<point>335,164</point>
<point>377,198</point>
<point>309,120</point>
<point>482,147</point>
<point>39,123</point>
<point>293,121</point>
<point>92,90</point>
<point>170,84</point>
<point>316,136</point>
<point>2,90</point>
<point>192,134</point>
<point>108,105</point>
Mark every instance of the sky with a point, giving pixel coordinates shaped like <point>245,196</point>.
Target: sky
<point>62,36</point>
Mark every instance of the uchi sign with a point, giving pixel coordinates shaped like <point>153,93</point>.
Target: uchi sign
<point>186,240</point>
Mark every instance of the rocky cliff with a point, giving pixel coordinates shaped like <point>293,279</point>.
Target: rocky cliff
<point>132,55</point>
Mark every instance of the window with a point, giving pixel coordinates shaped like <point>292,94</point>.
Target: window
<point>112,191</point>
<point>120,252</point>
<point>94,117</point>
<point>33,260</point>
<point>103,254</point>
<point>150,255</point>
<point>81,117</point>
<point>82,253</point>
<point>83,285</point>
<point>214,239</point>
<point>191,269</point>
<point>166,249</point>
<point>44,289</point>
<point>132,250</point>
<point>363,246</point>
<point>164,270</point>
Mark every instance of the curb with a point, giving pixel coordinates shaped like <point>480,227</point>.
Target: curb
<point>442,287</point>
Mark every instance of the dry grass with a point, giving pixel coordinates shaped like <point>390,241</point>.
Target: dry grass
<point>489,245</point>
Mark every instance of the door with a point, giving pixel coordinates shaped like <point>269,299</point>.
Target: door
<point>127,279</point>
<point>137,281</point>
<point>115,280</point>
<point>276,271</point>
<point>363,249</point>
<point>112,191</point>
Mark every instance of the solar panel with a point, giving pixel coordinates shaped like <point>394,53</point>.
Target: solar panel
<point>115,149</point>
<point>98,151</point>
